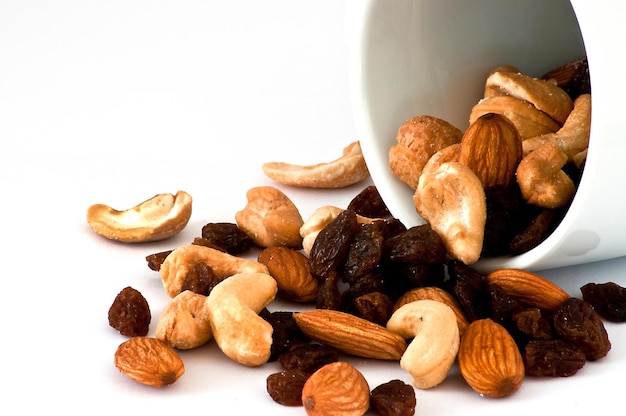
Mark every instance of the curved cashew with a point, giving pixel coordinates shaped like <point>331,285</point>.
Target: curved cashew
<point>545,95</point>
<point>347,170</point>
<point>435,332</point>
<point>452,199</point>
<point>270,218</point>
<point>157,218</point>
<point>573,137</point>
<point>233,306</point>
<point>541,179</point>
<point>184,322</point>
<point>181,261</point>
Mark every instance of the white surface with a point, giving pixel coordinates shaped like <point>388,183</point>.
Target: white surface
<point>116,101</point>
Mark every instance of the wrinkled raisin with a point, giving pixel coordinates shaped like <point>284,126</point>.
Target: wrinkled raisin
<point>372,282</point>
<point>130,313</point>
<point>228,236</point>
<point>608,299</point>
<point>419,244</point>
<point>468,288</point>
<point>200,279</point>
<point>503,306</point>
<point>285,332</point>
<point>328,295</point>
<point>394,398</point>
<point>332,244</point>
<point>577,322</point>
<point>552,358</point>
<point>504,211</point>
<point>365,252</point>
<point>375,307</point>
<point>535,232</point>
<point>285,387</point>
<point>369,203</point>
<point>532,323</point>
<point>308,357</point>
<point>156,260</point>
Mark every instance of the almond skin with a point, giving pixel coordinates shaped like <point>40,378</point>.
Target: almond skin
<point>149,361</point>
<point>292,271</point>
<point>489,359</point>
<point>529,288</point>
<point>350,334</point>
<point>492,148</point>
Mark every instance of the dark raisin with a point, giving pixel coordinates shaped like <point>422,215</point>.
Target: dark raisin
<point>503,217</point>
<point>608,299</point>
<point>503,306</point>
<point>552,358</point>
<point>532,323</point>
<point>577,322</point>
<point>369,203</point>
<point>199,241</point>
<point>372,282</point>
<point>200,279</point>
<point>156,260</point>
<point>375,307</point>
<point>328,295</point>
<point>535,232</point>
<point>419,244</point>
<point>394,398</point>
<point>332,244</point>
<point>285,332</point>
<point>285,387</point>
<point>227,235</point>
<point>308,357</point>
<point>130,313</point>
<point>468,288</point>
<point>365,252</point>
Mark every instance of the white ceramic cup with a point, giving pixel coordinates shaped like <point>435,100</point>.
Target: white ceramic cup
<point>412,57</point>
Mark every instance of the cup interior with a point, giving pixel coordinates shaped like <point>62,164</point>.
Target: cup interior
<point>417,57</point>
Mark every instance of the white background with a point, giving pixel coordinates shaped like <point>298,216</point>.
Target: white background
<point>115,101</point>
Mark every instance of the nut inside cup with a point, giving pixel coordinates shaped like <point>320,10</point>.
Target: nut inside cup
<point>432,57</point>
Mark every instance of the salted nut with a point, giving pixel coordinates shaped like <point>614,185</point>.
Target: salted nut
<point>184,322</point>
<point>433,328</point>
<point>157,218</point>
<point>347,170</point>
<point>452,200</point>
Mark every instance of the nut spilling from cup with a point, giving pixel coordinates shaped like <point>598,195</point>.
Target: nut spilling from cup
<point>501,186</point>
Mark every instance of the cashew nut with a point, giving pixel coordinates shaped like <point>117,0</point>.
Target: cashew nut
<point>573,137</point>
<point>157,218</point>
<point>347,170</point>
<point>238,330</point>
<point>452,199</point>
<point>545,95</point>
<point>435,332</point>
<point>541,179</point>
<point>270,218</point>
<point>181,261</point>
<point>184,322</point>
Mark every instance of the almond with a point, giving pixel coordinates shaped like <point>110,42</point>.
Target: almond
<point>292,271</point>
<point>336,389</point>
<point>149,361</point>
<point>491,147</point>
<point>350,334</point>
<point>489,359</point>
<point>528,288</point>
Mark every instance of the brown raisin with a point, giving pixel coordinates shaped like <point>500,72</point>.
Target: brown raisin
<point>328,295</point>
<point>608,299</point>
<point>285,387</point>
<point>535,232</point>
<point>369,203</point>
<point>577,322</point>
<point>308,357</point>
<point>228,236</point>
<point>552,358</point>
<point>375,307</point>
<point>468,288</point>
<point>394,398</point>
<point>532,323</point>
<point>503,306</point>
<point>130,313</point>
<point>200,279</point>
<point>155,260</point>
<point>365,251</point>
<point>285,332</point>
<point>419,244</point>
<point>504,205</point>
<point>332,244</point>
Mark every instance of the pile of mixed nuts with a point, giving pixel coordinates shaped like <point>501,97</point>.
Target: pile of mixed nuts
<point>377,290</point>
